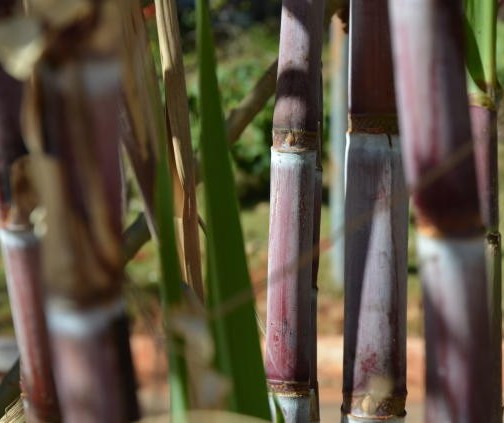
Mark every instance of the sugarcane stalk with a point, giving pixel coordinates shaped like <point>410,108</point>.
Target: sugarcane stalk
<point>296,138</point>
<point>339,125</point>
<point>72,126</point>
<point>240,116</point>
<point>439,162</point>
<point>374,369</point>
<point>483,91</point>
<point>21,256</point>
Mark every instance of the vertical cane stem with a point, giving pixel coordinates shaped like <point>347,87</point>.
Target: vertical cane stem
<point>374,384</point>
<point>294,188</point>
<point>439,162</point>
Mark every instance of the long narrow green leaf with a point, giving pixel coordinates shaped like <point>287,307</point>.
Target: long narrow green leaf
<point>480,25</point>
<point>237,340</point>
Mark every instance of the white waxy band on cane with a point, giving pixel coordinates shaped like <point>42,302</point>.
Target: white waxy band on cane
<point>83,323</point>
<point>100,76</point>
<point>18,239</point>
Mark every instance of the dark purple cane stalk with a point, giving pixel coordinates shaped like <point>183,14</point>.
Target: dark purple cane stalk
<point>376,226</point>
<point>439,162</point>
<point>21,256</point>
<point>293,189</point>
<point>484,130</point>
<point>72,126</point>
<point>484,91</point>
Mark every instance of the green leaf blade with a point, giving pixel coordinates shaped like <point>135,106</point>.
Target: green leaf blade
<point>230,290</point>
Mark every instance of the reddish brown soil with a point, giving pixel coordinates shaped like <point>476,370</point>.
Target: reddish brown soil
<point>152,369</point>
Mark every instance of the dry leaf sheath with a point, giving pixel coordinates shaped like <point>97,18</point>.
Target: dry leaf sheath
<point>177,115</point>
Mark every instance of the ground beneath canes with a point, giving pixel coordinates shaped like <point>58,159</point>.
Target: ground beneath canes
<point>151,368</point>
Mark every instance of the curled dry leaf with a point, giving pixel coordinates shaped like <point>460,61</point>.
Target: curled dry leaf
<point>21,46</point>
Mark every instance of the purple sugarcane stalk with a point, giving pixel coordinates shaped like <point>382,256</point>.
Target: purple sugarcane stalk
<point>296,138</point>
<point>484,130</point>
<point>376,227</point>
<point>21,256</point>
<point>74,130</point>
<point>439,164</point>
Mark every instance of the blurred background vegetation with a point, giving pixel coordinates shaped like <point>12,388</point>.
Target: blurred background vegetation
<point>246,32</point>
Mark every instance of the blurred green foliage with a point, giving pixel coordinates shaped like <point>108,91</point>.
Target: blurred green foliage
<point>241,62</point>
